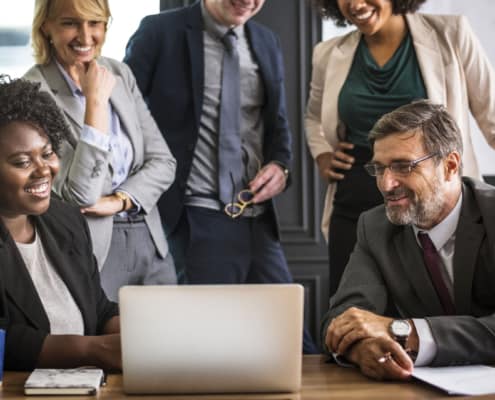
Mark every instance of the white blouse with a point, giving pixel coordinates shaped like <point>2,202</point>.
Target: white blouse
<point>62,311</point>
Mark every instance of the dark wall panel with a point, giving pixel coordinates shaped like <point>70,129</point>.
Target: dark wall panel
<point>169,4</point>
<point>299,29</point>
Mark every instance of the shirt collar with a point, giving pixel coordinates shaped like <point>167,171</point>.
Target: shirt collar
<point>441,233</point>
<point>72,85</point>
<point>216,29</point>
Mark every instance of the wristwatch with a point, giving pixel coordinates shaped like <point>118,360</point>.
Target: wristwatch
<point>124,197</point>
<point>400,329</point>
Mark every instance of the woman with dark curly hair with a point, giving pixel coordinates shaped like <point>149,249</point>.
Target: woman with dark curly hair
<point>52,305</point>
<point>393,57</point>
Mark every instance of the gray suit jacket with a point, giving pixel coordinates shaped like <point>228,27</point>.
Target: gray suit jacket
<point>386,275</point>
<point>86,174</point>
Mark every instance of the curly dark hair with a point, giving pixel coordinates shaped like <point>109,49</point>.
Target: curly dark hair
<point>330,9</point>
<point>23,101</point>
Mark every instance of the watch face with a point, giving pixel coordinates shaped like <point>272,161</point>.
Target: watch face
<point>400,327</point>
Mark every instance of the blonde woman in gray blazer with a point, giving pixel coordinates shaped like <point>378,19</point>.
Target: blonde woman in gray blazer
<point>453,66</point>
<point>116,164</point>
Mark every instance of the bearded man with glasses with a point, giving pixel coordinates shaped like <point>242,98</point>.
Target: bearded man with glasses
<point>418,288</point>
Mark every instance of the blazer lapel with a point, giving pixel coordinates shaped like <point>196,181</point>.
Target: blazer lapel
<point>469,235</point>
<point>63,96</point>
<point>121,104</point>
<point>59,246</point>
<point>194,37</point>
<point>17,282</point>
<point>429,56</point>
<point>258,47</point>
<point>338,67</point>
<point>415,270</point>
<point>341,60</point>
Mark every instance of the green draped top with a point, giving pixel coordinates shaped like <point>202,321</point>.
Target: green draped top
<point>371,91</point>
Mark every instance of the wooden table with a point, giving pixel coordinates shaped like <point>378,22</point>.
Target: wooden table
<point>320,382</point>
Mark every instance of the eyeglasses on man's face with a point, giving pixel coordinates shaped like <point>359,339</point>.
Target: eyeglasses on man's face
<point>402,168</point>
<point>244,199</point>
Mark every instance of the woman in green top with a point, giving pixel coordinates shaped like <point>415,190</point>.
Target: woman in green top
<point>394,57</point>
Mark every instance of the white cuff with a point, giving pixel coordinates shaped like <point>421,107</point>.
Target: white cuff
<point>427,347</point>
<point>95,138</point>
<point>132,211</point>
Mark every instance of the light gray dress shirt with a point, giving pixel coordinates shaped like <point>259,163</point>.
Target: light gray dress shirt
<point>202,184</point>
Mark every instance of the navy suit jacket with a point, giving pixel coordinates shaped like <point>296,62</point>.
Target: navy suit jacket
<point>65,236</point>
<point>167,58</point>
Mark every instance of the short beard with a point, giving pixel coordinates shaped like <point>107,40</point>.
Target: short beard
<point>420,212</point>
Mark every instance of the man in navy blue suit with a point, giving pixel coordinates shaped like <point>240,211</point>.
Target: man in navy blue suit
<point>178,58</point>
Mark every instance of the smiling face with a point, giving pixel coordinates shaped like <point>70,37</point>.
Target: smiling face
<point>427,194</point>
<point>27,168</point>
<point>369,16</point>
<point>73,37</point>
<point>233,12</point>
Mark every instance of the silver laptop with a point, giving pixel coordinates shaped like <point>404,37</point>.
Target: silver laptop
<point>211,338</point>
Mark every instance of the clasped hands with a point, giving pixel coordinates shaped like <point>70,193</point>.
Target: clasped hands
<point>364,339</point>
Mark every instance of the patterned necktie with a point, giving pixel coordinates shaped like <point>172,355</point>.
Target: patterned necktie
<point>432,261</point>
<point>230,167</point>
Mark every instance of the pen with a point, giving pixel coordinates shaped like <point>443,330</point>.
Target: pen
<point>385,357</point>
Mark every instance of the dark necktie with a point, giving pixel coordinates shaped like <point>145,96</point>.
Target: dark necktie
<point>432,261</point>
<point>230,167</point>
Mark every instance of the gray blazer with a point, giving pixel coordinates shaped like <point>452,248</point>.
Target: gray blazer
<point>386,275</point>
<point>85,172</point>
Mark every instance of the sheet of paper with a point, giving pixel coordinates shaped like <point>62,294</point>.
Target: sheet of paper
<point>465,380</point>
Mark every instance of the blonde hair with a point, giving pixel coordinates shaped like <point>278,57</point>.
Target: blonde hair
<point>44,10</point>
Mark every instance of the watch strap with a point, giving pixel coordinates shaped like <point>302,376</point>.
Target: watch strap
<point>124,197</point>
<point>402,340</point>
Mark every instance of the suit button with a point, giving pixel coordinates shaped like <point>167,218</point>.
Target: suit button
<point>97,169</point>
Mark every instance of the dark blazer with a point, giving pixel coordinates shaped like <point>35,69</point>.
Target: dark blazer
<point>166,56</point>
<point>386,275</point>
<point>65,235</point>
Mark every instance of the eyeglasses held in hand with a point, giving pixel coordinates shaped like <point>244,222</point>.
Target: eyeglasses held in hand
<point>402,168</point>
<point>244,199</point>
